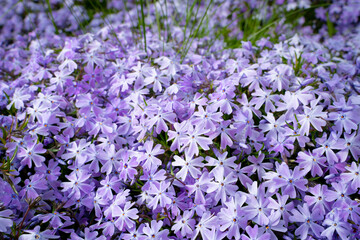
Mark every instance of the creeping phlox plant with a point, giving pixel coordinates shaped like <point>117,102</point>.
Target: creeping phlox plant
<point>180,120</point>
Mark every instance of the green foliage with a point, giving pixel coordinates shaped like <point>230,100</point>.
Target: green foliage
<point>330,26</point>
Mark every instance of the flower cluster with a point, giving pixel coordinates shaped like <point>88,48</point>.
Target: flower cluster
<point>177,135</point>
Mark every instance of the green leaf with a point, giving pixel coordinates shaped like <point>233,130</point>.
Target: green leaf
<point>52,17</point>
<point>313,179</point>
<point>3,141</point>
<point>291,127</point>
<point>14,155</point>
<point>23,126</point>
<point>4,132</point>
<point>143,23</point>
<point>7,96</point>
<point>330,25</point>
<point>8,179</point>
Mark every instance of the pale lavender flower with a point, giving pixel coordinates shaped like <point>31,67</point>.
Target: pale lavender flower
<point>222,165</point>
<point>36,234</point>
<point>184,224</point>
<point>153,231</point>
<point>78,185</point>
<point>352,176</point>
<point>336,224</point>
<point>311,161</point>
<point>189,165</point>
<point>126,217</point>
<point>255,234</point>
<point>223,186</point>
<point>194,138</point>
<point>308,221</point>
<point>32,153</point>
<point>5,222</point>
<point>161,198</point>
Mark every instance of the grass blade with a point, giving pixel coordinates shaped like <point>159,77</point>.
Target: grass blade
<point>52,17</point>
<point>143,23</point>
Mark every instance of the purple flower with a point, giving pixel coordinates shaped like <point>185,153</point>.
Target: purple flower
<point>352,176</point>
<point>108,227</point>
<point>199,187</point>
<point>159,118</point>
<point>279,77</point>
<point>151,177</point>
<point>352,145</point>
<point>5,222</point>
<point>207,118</point>
<point>101,125</point>
<point>157,80</point>
<point>18,98</point>
<point>126,217</point>
<point>262,96</point>
<point>275,224</point>
<point>341,193</point>
<point>335,224</point>
<point>46,124</point>
<point>257,209</point>
<point>254,234</point>
<point>87,104</point>
<point>223,186</point>
<point>290,181</point>
<point>36,234</point>
<point>273,127</point>
<point>282,206</point>
<point>194,138</point>
<point>55,218</point>
<point>318,199</point>
<point>311,162</point>
<point>232,218</point>
<point>257,165</point>
<point>313,115</point>
<point>114,208</point>
<point>185,224</point>
<point>77,150</point>
<point>31,153</point>
<point>327,145</point>
<point>160,198</point>
<point>308,220</point>
<point>149,158</point>
<point>93,202</point>
<point>32,187</point>
<point>344,121</point>
<point>108,186</point>
<point>135,234</point>
<point>222,165</point>
<point>88,235</point>
<point>93,75</point>
<point>177,135</point>
<point>242,176</point>
<point>226,134</point>
<point>78,184</point>
<point>110,159</point>
<point>189,165</point>
<point>205,226</point>
<point>153,231</point>
<point>128,166</point>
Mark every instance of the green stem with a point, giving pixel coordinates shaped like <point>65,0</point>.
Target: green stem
<point>143,23</point>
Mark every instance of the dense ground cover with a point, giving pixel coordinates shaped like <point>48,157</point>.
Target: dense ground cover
<point>179,119</point>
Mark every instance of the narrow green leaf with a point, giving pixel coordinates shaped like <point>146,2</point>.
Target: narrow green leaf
<point>51,16</point>
<point>4,132</point>
<point>143,23</point>
<point>14,155</point>
<point>330,26</point>
<point>291,127</point>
